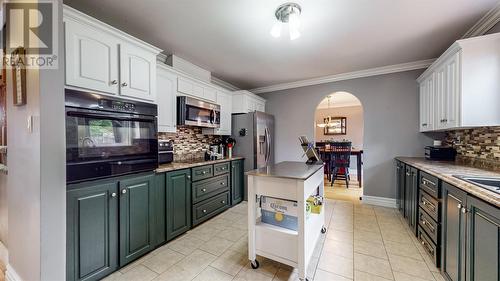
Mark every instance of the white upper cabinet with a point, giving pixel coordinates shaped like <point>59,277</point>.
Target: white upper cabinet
<point>225,101</point>
<point>245,102</point>
<point>166,99</point>
<point>461,88</point>
<point>138,72</point>
<point>427,104</point>
<point>104,59</point>
<point>91,58</point>
<point>196,89</point>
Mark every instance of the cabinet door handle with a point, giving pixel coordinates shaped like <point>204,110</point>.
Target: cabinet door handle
<point>114,82</point>
<point>188,177</point>
<point>204,211</point>
<point>464,210</point>
<point>424,124</point>
<point>459,206</point>
<point>124,190</point>
<point>223,202</point>
<point>204,172</point>
<point>124,84</point>
<point>203,189</point>
<point>113,194</point>
<point>223,168</point>
<point>222,183</point>
<point>426,181</point>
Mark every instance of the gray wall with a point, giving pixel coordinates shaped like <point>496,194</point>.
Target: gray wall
<point>390,105</point>
<point>36,181</point>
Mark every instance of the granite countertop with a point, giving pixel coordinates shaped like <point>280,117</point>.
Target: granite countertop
<point>445,171</point>
<point>287,169</point>
<point>190,164</point>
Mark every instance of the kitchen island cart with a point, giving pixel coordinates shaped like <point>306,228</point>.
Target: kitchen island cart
<point>291,181</point>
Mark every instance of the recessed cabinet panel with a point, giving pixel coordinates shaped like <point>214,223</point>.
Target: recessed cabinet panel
<point>138,73</point>
<point>210,94</point>
<point>136,217</point>
<point>92,232</point>
<point>91,58</point>
<point>166,100</point>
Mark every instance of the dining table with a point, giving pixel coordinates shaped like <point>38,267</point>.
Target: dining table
<point>359,160</point>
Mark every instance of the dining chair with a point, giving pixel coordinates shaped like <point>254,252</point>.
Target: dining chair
<point>340,160</point>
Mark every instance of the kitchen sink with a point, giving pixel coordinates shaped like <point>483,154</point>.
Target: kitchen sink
<point>490,183</point>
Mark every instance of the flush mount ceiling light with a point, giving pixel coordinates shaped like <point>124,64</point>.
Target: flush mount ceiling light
<point>287,13</point>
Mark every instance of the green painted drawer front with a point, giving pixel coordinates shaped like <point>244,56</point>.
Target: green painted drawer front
<point>430,248</point>
<point>431,227</point>
<point>209,208</point>
<point>92,231</point>
<point>430,184</point>
<point>203,172</point>
<point>430,205</point>
<point>178,198</point>
<point>207,188</point>
<point>221,168</point>
<point>137,197</point>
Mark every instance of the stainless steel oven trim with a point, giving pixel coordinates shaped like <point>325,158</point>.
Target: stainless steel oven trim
<point>202,104</point>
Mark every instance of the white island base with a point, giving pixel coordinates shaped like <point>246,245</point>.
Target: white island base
<point>294,181</point>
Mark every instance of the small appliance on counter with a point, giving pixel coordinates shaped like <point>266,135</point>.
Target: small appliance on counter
<point>215,152</point>
<point>441,153</point>
<point>165,151</point>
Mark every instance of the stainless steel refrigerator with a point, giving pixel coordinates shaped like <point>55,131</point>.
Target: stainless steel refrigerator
<point>254,135</point>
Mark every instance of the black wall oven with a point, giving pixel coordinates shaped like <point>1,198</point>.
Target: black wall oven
<point>108,136</point>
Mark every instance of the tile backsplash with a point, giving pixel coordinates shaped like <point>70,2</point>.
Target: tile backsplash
<point>189,142</point>
<point>479,146</point>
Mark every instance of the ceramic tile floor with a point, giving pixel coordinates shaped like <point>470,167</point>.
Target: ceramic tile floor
<point>363,242</point>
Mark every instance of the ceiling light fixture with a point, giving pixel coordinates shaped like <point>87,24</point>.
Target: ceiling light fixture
<point>287,13</point>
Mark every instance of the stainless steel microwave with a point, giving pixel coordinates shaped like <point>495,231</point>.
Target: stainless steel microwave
<point>195,112</point>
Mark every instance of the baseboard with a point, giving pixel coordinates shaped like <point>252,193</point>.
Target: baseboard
<point>380,201</point>
<point>11,274</point>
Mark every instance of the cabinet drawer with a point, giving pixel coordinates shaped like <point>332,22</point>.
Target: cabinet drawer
<point>202,172</point>
<point>429,184</point>
<point>221,168</point>
<point>209,208</point>
<point>430,205</point>
<point>207,188</point>
<point>431,227</point>
<point>430,248</point>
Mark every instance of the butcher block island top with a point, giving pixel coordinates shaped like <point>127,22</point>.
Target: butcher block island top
<point>288,170</point>
<point>446,171</point>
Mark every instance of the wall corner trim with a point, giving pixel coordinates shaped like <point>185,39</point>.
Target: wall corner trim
<point>347,76</point>
<point>380,201</point>
<point>491,18</point>
<point>11,274</point>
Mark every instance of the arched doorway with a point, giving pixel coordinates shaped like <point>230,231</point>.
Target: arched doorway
<point>339,119</point>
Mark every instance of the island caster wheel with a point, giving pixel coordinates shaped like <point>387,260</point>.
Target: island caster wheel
<point>255,264</point>
<point>323,230</point>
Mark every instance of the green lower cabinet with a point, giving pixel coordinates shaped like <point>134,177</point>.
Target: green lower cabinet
<point>453,231</point>
<point>160,233</point>
<point>137,218</point>
<point>483,241</point>
<point>92,231</point>
<point>237,181</point>
<point>178,199</point>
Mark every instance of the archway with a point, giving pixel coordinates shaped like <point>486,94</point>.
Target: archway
<point>339,118</point>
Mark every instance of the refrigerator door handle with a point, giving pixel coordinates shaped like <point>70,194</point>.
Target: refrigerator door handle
<point>268,144</point>
<point>266,140</point>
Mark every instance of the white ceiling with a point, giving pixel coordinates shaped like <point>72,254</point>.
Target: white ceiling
<point>231,37</point>
<point>339,99</point>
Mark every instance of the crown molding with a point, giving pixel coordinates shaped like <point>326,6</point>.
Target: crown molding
<point>489,20</point>
<point>347,76</point>
<point>224,84</point>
